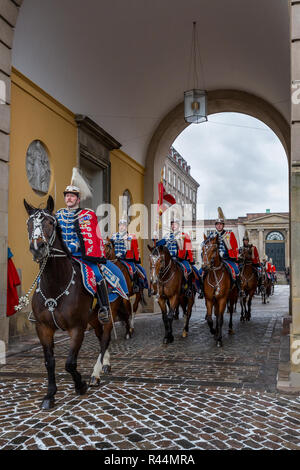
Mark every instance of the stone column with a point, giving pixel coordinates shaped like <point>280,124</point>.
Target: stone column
<point>261,242</point>
<point>8,16</point>
<point>295,194</point>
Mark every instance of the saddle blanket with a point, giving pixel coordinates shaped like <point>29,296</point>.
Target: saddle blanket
<point>129,267</point>
<point>185,267</point>
<point>115,281</point>
<point>232,268</point>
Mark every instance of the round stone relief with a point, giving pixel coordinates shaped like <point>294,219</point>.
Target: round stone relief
<point>38,167</point>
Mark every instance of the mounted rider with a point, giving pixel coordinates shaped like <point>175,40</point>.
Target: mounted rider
<point>81,234</point>
<point>127,251</point>
<point>255,257</point>
<point>228,249</point>
<point>180,247</point>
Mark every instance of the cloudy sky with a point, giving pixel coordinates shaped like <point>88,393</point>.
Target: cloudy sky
<point>239,163</point>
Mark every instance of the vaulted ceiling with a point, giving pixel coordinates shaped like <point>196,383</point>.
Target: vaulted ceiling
<point>124,63</point>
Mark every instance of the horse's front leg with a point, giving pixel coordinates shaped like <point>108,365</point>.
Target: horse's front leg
<point>220,309</point>
<point>209,319</point>
<point>190,303</point>
<point>169,338</point>
<point>46,335</point>
<point>76,335</point>
<point>248,314</point>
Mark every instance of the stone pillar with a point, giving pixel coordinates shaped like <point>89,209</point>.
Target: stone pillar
<point>261,243</point>
<point>8,16</point>
<point>295,194</point>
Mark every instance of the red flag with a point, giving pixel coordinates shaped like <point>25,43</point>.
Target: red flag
<point>164,196</point>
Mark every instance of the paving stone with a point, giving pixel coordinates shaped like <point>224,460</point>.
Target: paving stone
<point>189,395</point>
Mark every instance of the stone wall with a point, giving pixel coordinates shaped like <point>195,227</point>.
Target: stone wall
<point>8,17</point>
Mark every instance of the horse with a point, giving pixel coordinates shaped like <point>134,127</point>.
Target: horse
<point>60,300</point>
<point>217,288</point>
<point>248,282</point>
<point>266,287</point>
<point>168,277</point>
<point>139,296</point>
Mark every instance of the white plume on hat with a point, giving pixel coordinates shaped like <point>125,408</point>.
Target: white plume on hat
<point>79,181</point>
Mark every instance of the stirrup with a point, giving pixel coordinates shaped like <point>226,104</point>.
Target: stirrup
<point>104,315</point>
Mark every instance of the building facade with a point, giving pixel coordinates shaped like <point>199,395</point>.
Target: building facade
<point>179,182</point>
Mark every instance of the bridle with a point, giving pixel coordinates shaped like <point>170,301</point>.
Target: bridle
<point>50,303</point>
<point>209,265</point>
<point>163,271</point>
<point>38,232</point>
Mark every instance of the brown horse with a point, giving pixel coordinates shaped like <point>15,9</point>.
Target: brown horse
<point>217,288</point>
<point>248,282</point>
<point>139,296</point>
<point>168,277</point>
<point>60,300</point>
<point>266,287</point>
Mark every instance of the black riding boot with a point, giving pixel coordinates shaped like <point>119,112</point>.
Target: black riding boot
<point>136,283</point>
<point>201,288</point>
<point>103,301</point>
<point>189,292</point>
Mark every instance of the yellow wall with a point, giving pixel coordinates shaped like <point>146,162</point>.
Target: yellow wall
<point>126,173</point>
<point>36,116</point>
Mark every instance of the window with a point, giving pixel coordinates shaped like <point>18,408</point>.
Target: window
<point>182,187</point>
<point>164,172</point>
<point>178,183</point>
<point>174,180</point>
<point>170,176</point>
<point>275,236</point>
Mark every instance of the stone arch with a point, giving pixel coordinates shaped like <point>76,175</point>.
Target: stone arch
<point>218,101</point>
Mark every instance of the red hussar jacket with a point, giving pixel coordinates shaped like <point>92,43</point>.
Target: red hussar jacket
<point>184,247</point>
<point>91,242</point>
<point>133,251</point>
<point>268,267</point>
<point>255,255</point>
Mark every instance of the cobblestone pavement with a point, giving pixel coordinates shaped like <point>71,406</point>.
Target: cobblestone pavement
<point>184,396</point>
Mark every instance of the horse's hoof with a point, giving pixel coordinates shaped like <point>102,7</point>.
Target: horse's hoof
<point>106,369</point>
<point>94,381</point>
<point>231,332</point>
<point>47,403</point>
<point>127,336</point>
<point>168,340</point>
<point>219,344</point>
<point>184,334</point>
<point>82,390</point>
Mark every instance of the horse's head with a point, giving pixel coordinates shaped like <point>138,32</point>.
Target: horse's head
<point>159,257</point>
<point>41,226</point>
<point>210,252</point>
<point>246,254</point>
<point>109,247</point>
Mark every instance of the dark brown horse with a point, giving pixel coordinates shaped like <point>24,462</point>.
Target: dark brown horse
<point>60,300</point>
<point>248,282</point>
<point>217,288</point>
<point>168,277</point>
<point>139,296</point>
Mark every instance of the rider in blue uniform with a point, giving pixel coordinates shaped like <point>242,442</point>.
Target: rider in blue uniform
<point>80,233</point>
<point>127,250</point>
